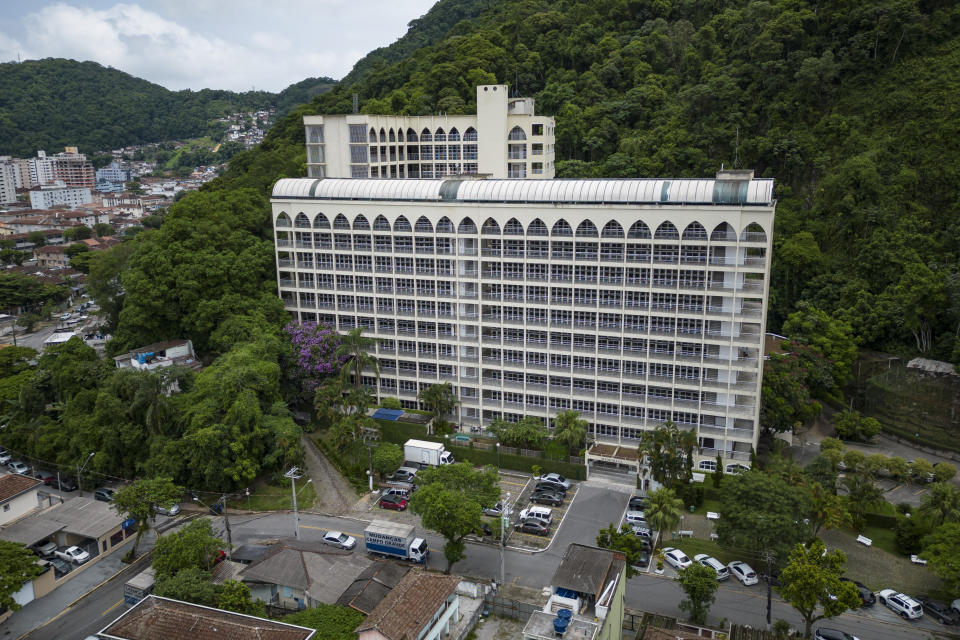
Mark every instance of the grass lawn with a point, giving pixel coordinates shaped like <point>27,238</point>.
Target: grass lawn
<point>273,498</point>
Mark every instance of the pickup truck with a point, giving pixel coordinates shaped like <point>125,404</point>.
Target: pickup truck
<point>72,554</point>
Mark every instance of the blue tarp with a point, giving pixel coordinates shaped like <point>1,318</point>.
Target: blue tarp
<point>388,414</point>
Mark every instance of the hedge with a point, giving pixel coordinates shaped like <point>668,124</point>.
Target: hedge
<point>400,432</point>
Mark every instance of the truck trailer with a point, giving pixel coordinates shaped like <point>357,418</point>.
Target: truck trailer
<point>395,540</point>
<point>422,452</point>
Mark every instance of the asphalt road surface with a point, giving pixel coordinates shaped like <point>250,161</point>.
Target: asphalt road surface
<point>592,510</point>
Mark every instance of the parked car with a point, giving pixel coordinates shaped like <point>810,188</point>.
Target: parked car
<point>709,561</point>
<point>633,517</point>
<point>18,466</point>
<point>832,634</point>
<point>66,316</point>
<point>64,484</point>
<point>644,560</point>
<point>45,548</point>
<point>340,540</point>
<point>676,558</point>
<point>534,526</point>
<point>164,511</point>
<point>104,494</point>
<point>637,503</point>
<point>545,496</point>
<point>540,513</point>
<point>939,611</point>
<point>643,532</point>
<point>742,572</point>
<point>396,491</point>
<point>955,605</point>
<point>900,603</point>
<point>550,486</point>
<point>46,476</point>
<point>867,599</point>
<point>495,511</point>
<point>397,503</point>
<point>556,477</point>
<point>5,456</point>
<point>73,554</point>
<point>404,474</point>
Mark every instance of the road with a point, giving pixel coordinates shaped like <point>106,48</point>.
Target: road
<point>592,510</point>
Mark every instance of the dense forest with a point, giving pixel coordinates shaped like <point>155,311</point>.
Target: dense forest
<point>49,104</point>
<point>853,108</point>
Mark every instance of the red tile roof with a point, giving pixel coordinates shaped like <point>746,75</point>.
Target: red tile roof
<point>13,484</point>
<point>411,605</point>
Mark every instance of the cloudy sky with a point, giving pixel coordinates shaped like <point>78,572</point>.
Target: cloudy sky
<point>220,44</point>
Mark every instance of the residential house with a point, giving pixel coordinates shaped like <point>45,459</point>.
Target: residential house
<point>18,496</point>
<point>156,618</point>
<point>160,354</point>
<point>589,585</point>
<point>423,606</point>
<point>52,256</point>
<point>373,585</point>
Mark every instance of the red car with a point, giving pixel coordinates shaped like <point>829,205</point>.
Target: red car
<point>397,503</point>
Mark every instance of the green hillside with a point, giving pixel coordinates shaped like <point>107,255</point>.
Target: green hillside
<point>52,103</point>
<point>852,107</point>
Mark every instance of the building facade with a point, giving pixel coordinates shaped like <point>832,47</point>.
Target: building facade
<point>634,302</point>
<point>505,139</point>
<point>59,195</point>
<point>73,169</point>
<point>8,183</point>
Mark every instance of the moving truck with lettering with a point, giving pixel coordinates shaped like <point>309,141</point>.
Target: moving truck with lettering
<point>395,540</point>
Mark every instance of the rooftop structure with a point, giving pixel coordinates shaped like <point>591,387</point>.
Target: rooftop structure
<point>421,607</point>
<point>160,354</point>
<point>505,139</point>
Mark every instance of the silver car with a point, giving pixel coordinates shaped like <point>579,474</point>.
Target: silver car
<point>340,540</point>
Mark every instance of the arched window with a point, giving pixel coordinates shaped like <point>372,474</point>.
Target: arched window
<point>340,222</point>
<point>513,228</point>
<point>454,135</point>
<point>402,225</point>
<point>561,228</point>
<point>666,231</point>
<point>283,220</point>
<point>516,134</point>
<point>360,223</point>
<point>753,233</point>
<point>587,230</point>
<point>373,134</point>
<point>423,225</point>
<point>411,135</point>
<point>470,135</point>
<point>537,228</point>
<point>425,135</point>
<point>444,225</point>
<point>490,227</point>
<point>694,231</point>
<point>466,226</point>
<point>321,222</point>
<point>393,136</point>
<point>301,221</point>
<point>612,230</point>
<point>723,232</point>
<point>381,224</point>
<point>439,135</point>
<point>383,135</point>
<point>639,230</point>
<point>707,465</point>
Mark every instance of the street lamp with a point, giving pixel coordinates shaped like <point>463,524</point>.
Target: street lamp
<point>497,445</point>
<point>80,469</point>
<point>504,525</point>
<point>294,475</point>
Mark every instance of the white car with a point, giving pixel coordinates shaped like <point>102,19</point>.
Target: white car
<point>676,558</point>
<point>635,517</point>
<point>900,603</point>
<point>742,572</point>
<point>543,514</point>
<point>709,561</point>
<point>556,477</point>
<point>20,467</point>
<point>73,554</point>
<point>340,540</point>
<point>5,456</point>
<point>172,511</point>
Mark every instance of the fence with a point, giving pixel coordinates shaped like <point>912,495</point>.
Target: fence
<point>509,608</point>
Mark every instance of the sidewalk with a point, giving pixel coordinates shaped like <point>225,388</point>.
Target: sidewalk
<point>57,601</point>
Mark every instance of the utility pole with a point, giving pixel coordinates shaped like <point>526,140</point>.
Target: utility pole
<point>504,526</point>
<point>226,522</point>
<point>768,557</point>
<point>80,470</point>
<point>294,475</point>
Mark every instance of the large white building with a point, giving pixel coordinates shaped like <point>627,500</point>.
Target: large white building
<point>635,302</point>
<point>8,182</point>
<point>59,195</point>
<point>505,139</point>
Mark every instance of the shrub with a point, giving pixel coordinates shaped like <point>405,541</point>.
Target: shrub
<point>908,534</point>
<point>390,403</point>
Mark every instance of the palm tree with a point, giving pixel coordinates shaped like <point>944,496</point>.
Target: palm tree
<point>862,494</point>
<point>664,511</point>
<point>669,452</point>
<point>570,429</point>
<point>356,346</point>
<point>941,504</point>
<point>440,401</point>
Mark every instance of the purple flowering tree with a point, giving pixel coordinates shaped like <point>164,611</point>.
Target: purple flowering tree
<point>314,353</point>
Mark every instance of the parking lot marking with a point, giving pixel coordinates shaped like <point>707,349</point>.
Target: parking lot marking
<point>916,493</point>
<point>516,484</point>
<point>117,604</point>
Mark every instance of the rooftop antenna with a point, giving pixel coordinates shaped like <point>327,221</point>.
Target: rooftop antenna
<point>736,152</point>
<point>356,103</point>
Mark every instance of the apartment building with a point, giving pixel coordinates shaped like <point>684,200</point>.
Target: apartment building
<point>73,169</point>
<point>634,302</point>
<point>8,183</point>
<point>59,194</point>
<point>505,139</point>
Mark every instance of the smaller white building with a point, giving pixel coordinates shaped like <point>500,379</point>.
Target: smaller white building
<point>424,606</point>
<point>8,183</point>
<point>18,496</point>
<point>59,195</point>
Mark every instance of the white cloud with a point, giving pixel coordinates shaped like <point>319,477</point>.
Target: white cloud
<point>250,45</point>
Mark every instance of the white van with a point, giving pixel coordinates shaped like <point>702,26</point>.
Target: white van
<point>543,514</point>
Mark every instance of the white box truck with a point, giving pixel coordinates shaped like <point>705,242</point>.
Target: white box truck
<point>422,453</point>
<point>395,540</point>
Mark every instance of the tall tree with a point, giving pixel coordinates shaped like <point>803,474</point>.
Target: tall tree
<point>18,565</point>
<point>664,511</point>
<point>699,584</point>
<point>440,401</point>
<point>941,504</point>
<point>358,348</point>
<point>940,550</point>
<point>139,502</point>
<point>862,495</point>
<point>570,429</point>
<point>810,582</point>
<point>668,452</point>
<point>625,541</point>
<point>193,546</point>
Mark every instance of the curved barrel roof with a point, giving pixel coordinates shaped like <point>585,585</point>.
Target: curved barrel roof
<point>596,191</point>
